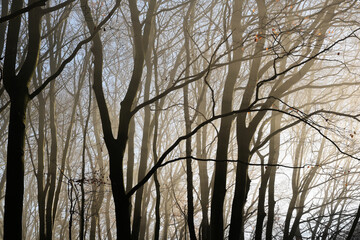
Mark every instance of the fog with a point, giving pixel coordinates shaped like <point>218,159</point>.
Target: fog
<point>186,119</point>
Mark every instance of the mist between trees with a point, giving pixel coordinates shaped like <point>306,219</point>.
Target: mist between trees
<point>186,119</point>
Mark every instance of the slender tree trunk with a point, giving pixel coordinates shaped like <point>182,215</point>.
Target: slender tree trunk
<point>242,184</point>
<point>4,12</point>
<point>54,41</point>
<point>269,173</point>
<point>295,230</point>
<point>2,184</point>
<point>295,183</point>
<point>107,218</point>
<point>187,26</point>
<point>131,154</point>
<point>72,206</point>
<point>68,135</point>
<point>189,173</point>
<point>145,208</point>
<point>271,203</point>
<point>27,203</point>
<point>321,214</point>
<point>244,135</point>
<point>83,163</point>
<point>203,174</point>
<point>40,170</point>
<point>53,164</point>
<point>354,224</point>
<point>166,216</point>
<point>333,212</point>
<point>219,189</point>
<point>261,203</point>
<point>144,143</point>
<point>157,207</point>
<point>98,198</point>
<point>156,180</point>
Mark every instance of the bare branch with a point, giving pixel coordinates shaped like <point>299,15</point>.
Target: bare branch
<point>72,56</point>
<point>23,10</point>
<point>238,161</point>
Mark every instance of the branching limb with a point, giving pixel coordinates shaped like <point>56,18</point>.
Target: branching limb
<point>237,161</point>
<point>76,50</point>
<point>297,114</point>
<point>23,10</point>
<point>259,84</point>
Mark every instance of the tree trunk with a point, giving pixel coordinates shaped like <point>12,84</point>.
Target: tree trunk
<point>99,197</point>
<point>4,12</point>
<point>219,190</point>
<point>68,135</point>
<point>166,216</point>
<point>354,224</point>
<point>121,201</point>
<point>83,164</point>
<point>145,208</point>
<point>144,143</point>
<point>271,203</point>
<point>131,154</point>
<point>295,183</point>
<point>107,217</point>
<point>54,41</point>
<point>269,173</point>
<point>40,170</point>
<point>203,174</point>
<point>156,180</point>
<point>15,167</point>
<point>187,27</point>
<point>242,184</point>
<point>53,164</point>
<point>17,87</point>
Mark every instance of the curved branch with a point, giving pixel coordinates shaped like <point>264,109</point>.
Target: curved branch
<point>259,84</point>
<point>23,10</point>
<point>303,117</point>
<point>72,56</point>
<point>238,161</point>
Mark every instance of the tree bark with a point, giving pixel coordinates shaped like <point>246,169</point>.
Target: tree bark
<point>99,197</point>
<point>242,184</point>
<point>274,146</point>
<point>4,12</point>
<point>203,174</point>
<point>295,183</point>
<point>17,87</point>
<point>219,189</point>
<point>15,168</point>
<point>40,170</point>
<point>354,224</point>
<point>145,141</point>
<point>187,27</point>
